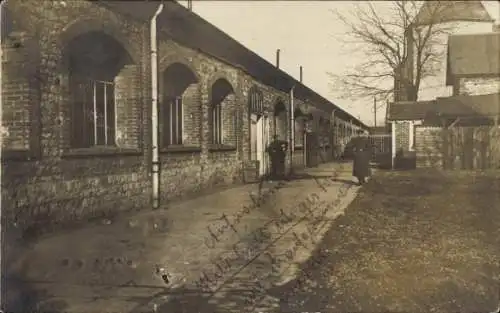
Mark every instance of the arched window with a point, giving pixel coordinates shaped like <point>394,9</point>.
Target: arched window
<point>95,63</point>
<point>220,91</point>
<point>177,80</point>
<point>255,101</point>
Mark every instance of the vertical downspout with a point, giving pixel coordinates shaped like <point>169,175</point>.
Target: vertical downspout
<point>393,144</point>
<point>292,128</point>
<point>154,110</point>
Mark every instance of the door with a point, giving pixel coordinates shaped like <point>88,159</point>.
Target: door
<point>312,149</point>
<point>265,143</point>
<point>260,144</point>
<point>253,137</point>
<point>260,138</point>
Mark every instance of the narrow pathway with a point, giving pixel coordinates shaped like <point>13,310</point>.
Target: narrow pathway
<point>119,265</point>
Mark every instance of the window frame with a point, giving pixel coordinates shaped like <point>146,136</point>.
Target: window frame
<point>90,136</point>
<point>217,129</point>
<point>168,139</point>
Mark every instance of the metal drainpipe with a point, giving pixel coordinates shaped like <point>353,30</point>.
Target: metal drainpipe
<point>154,110</point>
<point>292,128</point>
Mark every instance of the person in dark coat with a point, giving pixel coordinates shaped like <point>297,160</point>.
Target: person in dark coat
<point>361,164</point>
<point>277,150</point>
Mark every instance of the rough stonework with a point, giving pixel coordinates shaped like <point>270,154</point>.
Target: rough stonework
<point>52,174</point>
<point>479,86</point>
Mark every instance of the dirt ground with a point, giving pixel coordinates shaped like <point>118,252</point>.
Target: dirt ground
<point>411,241</point>
<point>415,241</point>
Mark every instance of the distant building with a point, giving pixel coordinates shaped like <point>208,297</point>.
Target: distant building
<point>473,66</point>
<point>380,130</point>
<point>473,72</point>
<point>456,17</point>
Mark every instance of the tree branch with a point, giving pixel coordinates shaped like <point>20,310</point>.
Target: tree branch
<point>384,40</point>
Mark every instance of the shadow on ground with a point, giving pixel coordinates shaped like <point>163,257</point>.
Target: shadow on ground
<point>419,241</point>
<point>23,297</point>
<point>435,249</point>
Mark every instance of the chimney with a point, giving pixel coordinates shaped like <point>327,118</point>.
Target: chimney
<point>278,58</point>
<point>190,5</point>
<point>301,74</point>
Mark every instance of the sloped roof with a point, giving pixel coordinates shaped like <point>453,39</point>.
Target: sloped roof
<point>469,106</point>
<point>473,54</point>
<point>446,11</point>
<point>463,106</point>
<point>191,30</point>
<point>408,110</point>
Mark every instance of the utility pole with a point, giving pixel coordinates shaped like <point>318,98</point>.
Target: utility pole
<point>292,129</point>
<point>375,111</point>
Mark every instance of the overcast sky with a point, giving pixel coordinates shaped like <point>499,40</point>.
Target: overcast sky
<point>304,31</point>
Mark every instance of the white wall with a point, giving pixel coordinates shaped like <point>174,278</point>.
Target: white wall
<point>432,87</point>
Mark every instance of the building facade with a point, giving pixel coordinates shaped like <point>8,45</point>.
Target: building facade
<point>77,99</point>
<point>473,75</point>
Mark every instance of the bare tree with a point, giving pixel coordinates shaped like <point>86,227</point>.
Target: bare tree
<point>397,44</point>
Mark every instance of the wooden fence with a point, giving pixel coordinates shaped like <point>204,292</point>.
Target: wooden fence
<point>458,147</point>
<point>382,146</point>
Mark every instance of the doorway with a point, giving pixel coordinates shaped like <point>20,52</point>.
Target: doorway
<point>259,137</point>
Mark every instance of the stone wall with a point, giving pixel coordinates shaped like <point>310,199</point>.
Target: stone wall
<point>479,86</point>
<point>47,180</point>
<point>402,136</point>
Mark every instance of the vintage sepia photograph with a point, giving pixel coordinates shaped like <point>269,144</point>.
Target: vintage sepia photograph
<point>234,156</point>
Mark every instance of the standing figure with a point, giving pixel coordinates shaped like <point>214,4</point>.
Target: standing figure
<point>277,150</point>
<point>361,164</point>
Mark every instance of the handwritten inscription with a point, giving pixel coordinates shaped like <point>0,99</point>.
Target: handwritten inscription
<point>216,231</point>
<point>311,209</point>
<point>300,241</point>
<point>241,252</point>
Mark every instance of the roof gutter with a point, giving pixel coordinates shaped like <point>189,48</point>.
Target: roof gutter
<point>155,168</point>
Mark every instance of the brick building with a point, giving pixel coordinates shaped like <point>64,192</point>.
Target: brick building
<point>473,74</point>
<point>467,18</point>
<point>474,71</point>
<point>77,99</point>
